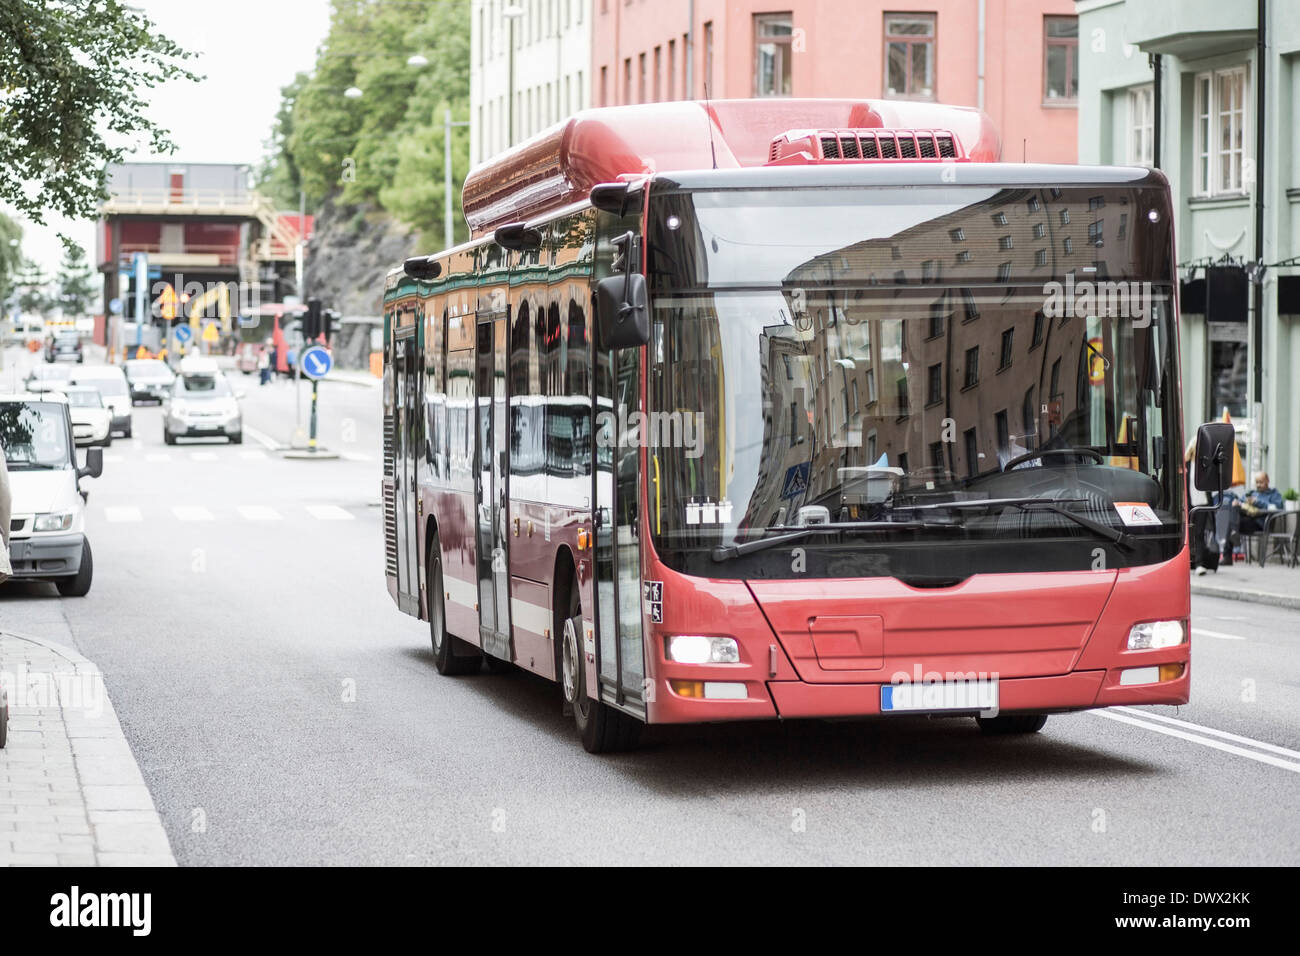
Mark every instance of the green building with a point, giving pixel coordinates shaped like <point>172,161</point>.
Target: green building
<point>1177,84</point>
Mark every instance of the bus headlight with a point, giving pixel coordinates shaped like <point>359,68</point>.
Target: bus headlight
<point>59,522</point>
<point>1153,634</point>
<point>694,649</point>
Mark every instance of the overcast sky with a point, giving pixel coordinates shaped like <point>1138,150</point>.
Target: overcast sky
<point>246,50</point>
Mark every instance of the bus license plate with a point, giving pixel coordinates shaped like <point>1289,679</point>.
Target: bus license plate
<point>939,696</point>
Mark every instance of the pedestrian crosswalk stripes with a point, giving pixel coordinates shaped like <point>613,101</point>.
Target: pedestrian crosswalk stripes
<point>192,513</point>
<point>329,513</point>
<point>258,513</point>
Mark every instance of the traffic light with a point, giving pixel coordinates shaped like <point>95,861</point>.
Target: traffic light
<point>311,322</point>
<point>328,320</point>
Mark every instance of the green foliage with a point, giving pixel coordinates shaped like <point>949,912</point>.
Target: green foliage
<point>384,148</point>
<point>77,286</point>
<point>76,76</point>
<point>30,284</point>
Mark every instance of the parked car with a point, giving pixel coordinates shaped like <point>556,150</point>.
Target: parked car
<point>42,377</point>
<point>149,379</point>
<point>202,404</point>
<point>112,385</point>
<point>47,523</point>
<point>92,420</point>
<point>64,346</point>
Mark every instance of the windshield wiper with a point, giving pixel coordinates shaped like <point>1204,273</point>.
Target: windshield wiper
<point>1053,505</point>
<point>19,465</point>
<point>726,552</point>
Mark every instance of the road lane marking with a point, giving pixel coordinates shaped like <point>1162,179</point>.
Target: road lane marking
<point>121,513</point>
<point>259,513</point>
<point>203,456</point>
<point>1248,741</point>
<point>192,513</point>
<point>1219,634</point>
<point>263,439</point>
<point>158,456</point>
<point>329,513</point>
<point>355,456</point>
<point>253,455</point>
<point>1292,766</point>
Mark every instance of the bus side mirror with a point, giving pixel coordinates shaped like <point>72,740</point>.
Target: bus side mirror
<point>623,311</point>
<point>1214,446</point>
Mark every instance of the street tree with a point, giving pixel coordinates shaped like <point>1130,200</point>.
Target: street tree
<point>76,76</point>
<point>11,255</point>
<point>76,282</point>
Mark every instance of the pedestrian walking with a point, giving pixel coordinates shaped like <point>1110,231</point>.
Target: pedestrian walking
<point>263,366</point>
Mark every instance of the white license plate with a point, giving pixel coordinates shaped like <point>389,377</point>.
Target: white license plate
<point>939,696</point>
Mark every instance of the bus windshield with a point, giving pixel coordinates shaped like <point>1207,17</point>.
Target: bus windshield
<point>912,381</point>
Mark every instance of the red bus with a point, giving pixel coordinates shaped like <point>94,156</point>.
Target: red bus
<point>798,408</point>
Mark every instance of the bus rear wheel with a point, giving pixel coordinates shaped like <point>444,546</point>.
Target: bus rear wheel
<point>1012,723</point>
<point>602,728</point>
<point>451,655</point>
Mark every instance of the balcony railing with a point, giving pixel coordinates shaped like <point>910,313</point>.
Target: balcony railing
<point>235,202</point>
<point>226,255</point>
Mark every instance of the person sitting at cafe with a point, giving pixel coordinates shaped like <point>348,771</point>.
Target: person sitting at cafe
<point>1256,503</point>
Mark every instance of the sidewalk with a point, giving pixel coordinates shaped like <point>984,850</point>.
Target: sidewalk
<point>71,793</point>
<point>1276,584</point>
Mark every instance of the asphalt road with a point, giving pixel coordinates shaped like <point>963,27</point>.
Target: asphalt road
<point>283,711</point>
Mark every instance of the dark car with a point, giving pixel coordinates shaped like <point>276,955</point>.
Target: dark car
<point>64,346</point>
<point>149,379</point>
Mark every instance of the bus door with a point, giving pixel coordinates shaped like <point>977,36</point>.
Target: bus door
<point>407,435</point>
<point>619,590</point>
<point>493,584</point>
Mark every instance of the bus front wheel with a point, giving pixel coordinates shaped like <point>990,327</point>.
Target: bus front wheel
<point>602,728</point>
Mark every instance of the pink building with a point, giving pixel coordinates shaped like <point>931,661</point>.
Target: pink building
<point>1026,78</point>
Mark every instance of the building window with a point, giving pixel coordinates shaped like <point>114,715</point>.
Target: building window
<point>672,69</point>
<point>1220,132</point>
<point>999,219</point>
<point>963,256</point>
<point>1040,257</point>
<point>1030,419</point>
<point>773,33</point>
<point>972,367</point>
<point>936,455</point>
<point>871,386</point>
<point>604,86</point>
<point>659,64</point>
<point>1003,429</point>
<point>1040,322</point>
<point>1095,232</point>
<point>934,390</point>
<point>936,325</point>
<point>1067,244</point>
<point>1004,272</point>
<point>1008,345</point>
<point>1141,126</point>
<point>641,78</point>
<point>1004,242</point>
<point>958,234</point>
<point>1060,59</point>
<point>972,453</point>
<point>1040,230</point>
<point>627,80</point>
<point>909,55</point>
<point>904,403</point>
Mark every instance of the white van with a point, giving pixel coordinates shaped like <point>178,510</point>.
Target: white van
<point>47,525</point>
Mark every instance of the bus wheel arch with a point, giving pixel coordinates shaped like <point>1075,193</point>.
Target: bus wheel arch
<point>451,655</point>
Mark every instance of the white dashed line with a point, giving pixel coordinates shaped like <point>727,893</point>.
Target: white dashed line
<point>1125,718</point>
<point>253,455</point>
<point>258,513</point>
<point>203,456</point>
<point>1219,634</point>
<point>122,514</point>
<point>355,456</point>
<point>192,513</point>
<point>263,439</point>
<point>158,456</point>
<point>328,513</point>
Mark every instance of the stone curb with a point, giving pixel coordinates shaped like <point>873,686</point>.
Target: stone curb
<point>1289,601</point>
<point>125,826</point>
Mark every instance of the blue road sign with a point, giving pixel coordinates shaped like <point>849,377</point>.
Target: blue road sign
<point>115,306</point>
<point>316,362</point>
<point>183,334</point>
<point>796,480</point>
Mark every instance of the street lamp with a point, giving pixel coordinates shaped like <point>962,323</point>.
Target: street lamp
<point>511,13</point>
